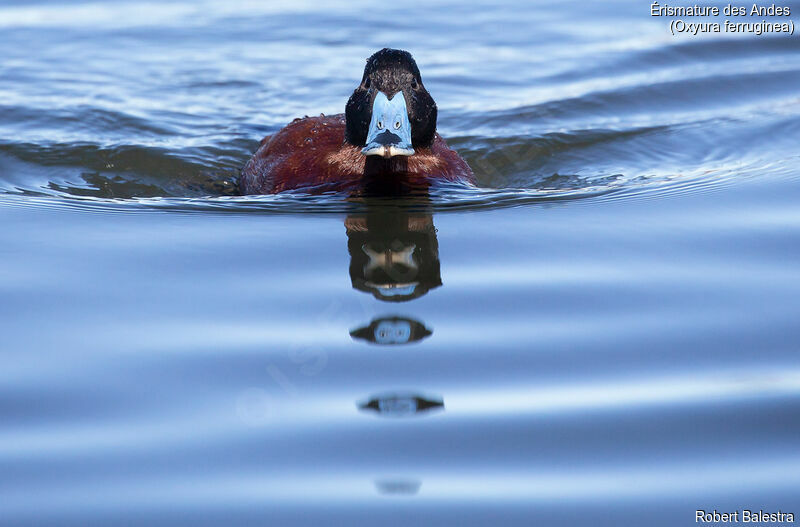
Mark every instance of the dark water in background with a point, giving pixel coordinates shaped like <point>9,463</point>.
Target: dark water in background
<point>606,334</point>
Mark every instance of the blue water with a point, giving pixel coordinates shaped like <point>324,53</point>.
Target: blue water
<point>605,333</point>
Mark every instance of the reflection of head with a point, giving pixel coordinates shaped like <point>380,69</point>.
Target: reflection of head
<point>401,404</point>
<point>392,330</point>
<point>393,255</point>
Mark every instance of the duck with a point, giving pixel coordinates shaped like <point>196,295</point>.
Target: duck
<point>385,140</point>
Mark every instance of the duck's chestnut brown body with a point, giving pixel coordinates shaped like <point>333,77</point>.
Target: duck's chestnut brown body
<point>386,139</point>
<point>311,152</point>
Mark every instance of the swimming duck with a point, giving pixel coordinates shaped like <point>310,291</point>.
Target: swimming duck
<point>385,138</point>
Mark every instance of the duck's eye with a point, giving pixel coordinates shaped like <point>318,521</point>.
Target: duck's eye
<point>380,125</point>
<point>414,84</point>
<point>397,124</point>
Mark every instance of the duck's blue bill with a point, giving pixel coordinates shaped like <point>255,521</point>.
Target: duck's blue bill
<point>389,130</point>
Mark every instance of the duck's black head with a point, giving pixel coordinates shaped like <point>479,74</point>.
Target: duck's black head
<point>391,112</point>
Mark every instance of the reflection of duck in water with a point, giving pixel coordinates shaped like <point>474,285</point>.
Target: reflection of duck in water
<point>401,404</point>
<point>398,486</point>
<point>392,331</point>
<point>393,254</point>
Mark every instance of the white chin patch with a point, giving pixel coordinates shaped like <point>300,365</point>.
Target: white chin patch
<point>387,151</point>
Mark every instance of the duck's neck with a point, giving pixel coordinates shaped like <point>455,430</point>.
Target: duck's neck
<point>392,177</point>
<point>376,166</point>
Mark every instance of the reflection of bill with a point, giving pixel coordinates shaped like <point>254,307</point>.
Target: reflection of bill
<point>398,487</point>
<point>394,255</point>
<point>401,404</point>
<point>392,331</point>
